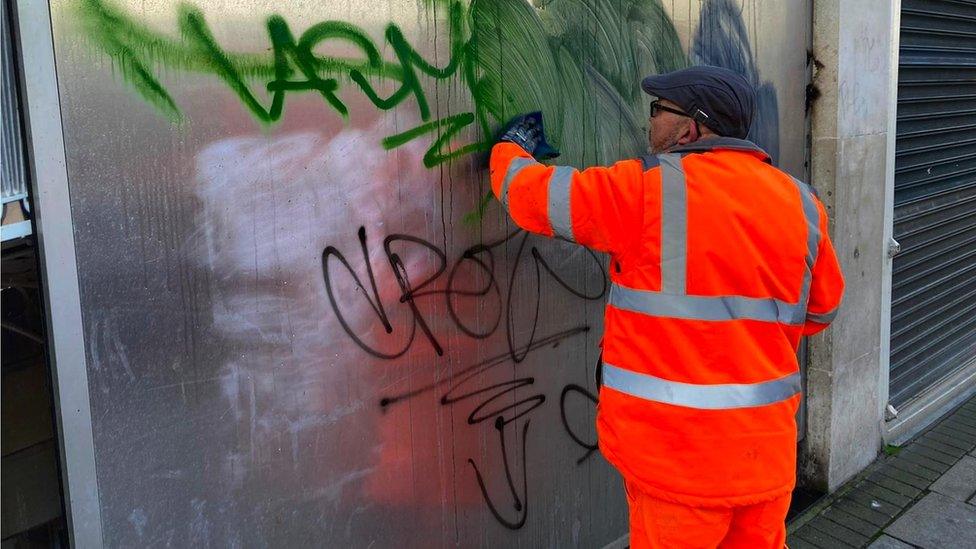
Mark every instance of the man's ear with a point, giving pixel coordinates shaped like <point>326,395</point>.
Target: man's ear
<point>688,134</point>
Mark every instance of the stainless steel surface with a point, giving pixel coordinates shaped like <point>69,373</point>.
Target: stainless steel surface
<point>299,329</point>
<point>59,273</point>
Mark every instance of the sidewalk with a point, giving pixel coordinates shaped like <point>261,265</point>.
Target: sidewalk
<point>924,495</point>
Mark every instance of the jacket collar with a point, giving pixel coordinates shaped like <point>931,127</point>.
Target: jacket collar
<point>730,143</point>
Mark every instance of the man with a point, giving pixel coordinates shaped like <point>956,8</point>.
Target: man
<point>719,264</point>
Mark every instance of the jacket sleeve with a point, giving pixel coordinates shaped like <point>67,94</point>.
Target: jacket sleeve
<point>827,285</point>
<point>600,208</point>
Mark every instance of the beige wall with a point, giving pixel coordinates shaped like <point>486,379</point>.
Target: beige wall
<point>855,43</point>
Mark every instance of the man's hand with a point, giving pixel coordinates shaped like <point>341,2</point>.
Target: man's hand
<point>526,131</point>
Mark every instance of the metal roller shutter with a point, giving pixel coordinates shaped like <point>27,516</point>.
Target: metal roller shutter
<point>933,309</point>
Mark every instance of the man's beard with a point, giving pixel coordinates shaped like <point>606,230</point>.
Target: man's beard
<point>664,143</point>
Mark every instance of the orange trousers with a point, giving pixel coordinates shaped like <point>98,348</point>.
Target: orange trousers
<point>655,523</point>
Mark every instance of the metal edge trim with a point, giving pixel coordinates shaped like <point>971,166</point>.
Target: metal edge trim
<point>56,245</point>
<point>888,211</point>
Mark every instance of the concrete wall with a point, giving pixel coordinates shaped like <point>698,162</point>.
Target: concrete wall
<point>855,45</point>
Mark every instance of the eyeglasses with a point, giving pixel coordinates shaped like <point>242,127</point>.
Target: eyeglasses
<point>656,107</point>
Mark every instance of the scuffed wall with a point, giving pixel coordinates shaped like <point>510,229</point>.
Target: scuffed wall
<point>305,322</point>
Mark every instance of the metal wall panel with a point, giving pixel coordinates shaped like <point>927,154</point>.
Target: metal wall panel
<point>300,327</point>
<point>933,313</point>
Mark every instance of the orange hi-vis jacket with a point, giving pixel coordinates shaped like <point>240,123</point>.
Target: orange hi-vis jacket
<point>720,263</point>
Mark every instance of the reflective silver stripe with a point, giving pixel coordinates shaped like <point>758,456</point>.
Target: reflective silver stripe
<point>822,318</point>
<point>559,209</point>
<point>801,312</point>
<point>514,167</point>
<point>673,302</point>
<point>705,397</point>
<point>812,215</point>
<point>717,308</point>
<point>674,225</point>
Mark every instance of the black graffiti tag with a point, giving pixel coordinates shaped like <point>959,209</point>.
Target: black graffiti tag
<point>502,403</point>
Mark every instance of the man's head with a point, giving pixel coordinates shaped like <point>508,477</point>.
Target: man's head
<point>669,125</point>
<point>698,102</point>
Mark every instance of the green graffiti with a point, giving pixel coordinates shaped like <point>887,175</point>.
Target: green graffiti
<point>294,67</point>
<point>579,61</point>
